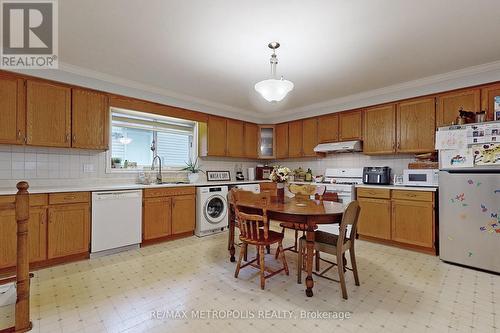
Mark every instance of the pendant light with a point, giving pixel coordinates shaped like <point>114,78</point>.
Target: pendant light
<point>274,90</point>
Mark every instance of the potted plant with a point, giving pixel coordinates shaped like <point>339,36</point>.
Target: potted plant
<point>193,170</point>
<point>280,175</point>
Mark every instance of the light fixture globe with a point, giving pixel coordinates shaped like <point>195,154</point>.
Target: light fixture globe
<point>274,90</point>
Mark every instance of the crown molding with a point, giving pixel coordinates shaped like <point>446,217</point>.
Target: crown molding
<point>88,78</point>
<point>470,76</point>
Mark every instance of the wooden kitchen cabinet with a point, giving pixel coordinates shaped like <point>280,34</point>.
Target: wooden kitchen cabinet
<point>267,143</point>
<point>37,231</point>
<point>168,212</point>
<point>351,125</point>
<point>488,95</point>
<point>309,136</point>
<point>12,110</point>
<point>448,105</point>
<point>251,146</point>
<point>216,136</point>
<point>380,132</point>
<point>235,138</point>
<point>183,214</point>
<point>90,120</point>
<point>282,140</point>
<point>375,218</point>
<point>8,229</point>
<point>37,234</point>
<point>68,230</point>
<point>405,218</point>
<point>413,222</point>
<point>416,126</point>
<point>157,218</point>
<point>328,128</point>
<point>48,114</point>
<point>295,139</point>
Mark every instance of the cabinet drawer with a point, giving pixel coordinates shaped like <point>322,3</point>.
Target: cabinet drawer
<point>69,197</point>
<point>412,195</point>
<point>169,191</point>
<point>35,199</point>
<point>381,193</point>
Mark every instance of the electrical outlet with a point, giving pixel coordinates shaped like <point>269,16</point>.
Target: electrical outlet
<point>88,168</point>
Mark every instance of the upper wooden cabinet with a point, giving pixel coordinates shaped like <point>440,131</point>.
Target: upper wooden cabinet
<point>48,114</point>
<point>379,133</point>
<point>488,96</point>
<point>234,138</point>
<point>90,119</point>
<point>251,134</point>
<point>351,125</point>
<point>216,136</point>
<point>282,140</point>
<point>416,126</point>
<point>12,110</point>
<point>295,139</point>
<point>328,128</point>
<point>309,136</point>
<point>449,104</point>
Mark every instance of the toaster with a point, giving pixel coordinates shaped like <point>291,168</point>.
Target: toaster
<point>377,175</point>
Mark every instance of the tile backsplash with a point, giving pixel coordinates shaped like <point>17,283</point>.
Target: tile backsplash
<point>351,160</point>
<point>49,166</point>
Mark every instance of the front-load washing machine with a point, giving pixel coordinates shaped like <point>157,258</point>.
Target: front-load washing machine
<point>212,210</point>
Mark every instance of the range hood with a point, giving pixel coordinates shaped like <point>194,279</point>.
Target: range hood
<point>338,147</point>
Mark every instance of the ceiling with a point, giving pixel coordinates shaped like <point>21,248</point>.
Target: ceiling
<point>215,51</point>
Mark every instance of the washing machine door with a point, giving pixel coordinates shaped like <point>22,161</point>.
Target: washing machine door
<point>215,209</point>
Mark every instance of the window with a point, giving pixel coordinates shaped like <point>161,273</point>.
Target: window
<point>136,138</point>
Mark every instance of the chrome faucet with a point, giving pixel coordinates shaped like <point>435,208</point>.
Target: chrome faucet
<point>159,178</point>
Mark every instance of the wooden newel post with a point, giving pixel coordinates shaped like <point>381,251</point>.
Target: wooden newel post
<point>22,275</point>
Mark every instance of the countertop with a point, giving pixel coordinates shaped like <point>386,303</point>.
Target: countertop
<point>117,187</point>
<point>399,187</point>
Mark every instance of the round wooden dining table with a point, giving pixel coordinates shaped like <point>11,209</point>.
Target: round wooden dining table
<point>306,212</point>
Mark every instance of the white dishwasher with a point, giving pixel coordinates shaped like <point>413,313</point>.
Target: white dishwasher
<point>116,221</point>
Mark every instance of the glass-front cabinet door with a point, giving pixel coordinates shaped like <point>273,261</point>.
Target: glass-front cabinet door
<point>266,142</point>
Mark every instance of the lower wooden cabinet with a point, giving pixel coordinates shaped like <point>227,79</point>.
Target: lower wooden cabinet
<point>157,218</point>
<point>412,222</point>
<point>37,235</point>
<point>68,230</point>
<point>400,217</point>
<point>168,212</point>
<point>183,214</point>
<point>375,218</point>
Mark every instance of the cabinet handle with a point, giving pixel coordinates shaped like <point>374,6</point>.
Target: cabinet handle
<point>399,145</point>
<point>69,197</point>
<point>74,138</point>
<point>18,134</point>
<point>67,137</point>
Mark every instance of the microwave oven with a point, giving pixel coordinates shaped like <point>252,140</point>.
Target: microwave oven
<point>421,177</point>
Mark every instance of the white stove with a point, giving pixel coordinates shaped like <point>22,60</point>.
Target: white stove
<point>343,182</point>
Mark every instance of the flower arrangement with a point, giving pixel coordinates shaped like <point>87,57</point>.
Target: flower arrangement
<point>280,174</point>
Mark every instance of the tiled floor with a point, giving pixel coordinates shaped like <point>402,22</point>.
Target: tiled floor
<point>400,291</point>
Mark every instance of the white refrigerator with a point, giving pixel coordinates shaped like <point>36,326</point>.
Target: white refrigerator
<point>469,195</point>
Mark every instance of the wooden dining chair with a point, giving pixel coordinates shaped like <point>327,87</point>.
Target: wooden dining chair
<point>254,230</point>
<point>335,245</point>
<point>300,192</point>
